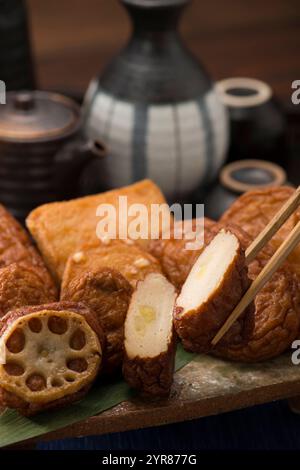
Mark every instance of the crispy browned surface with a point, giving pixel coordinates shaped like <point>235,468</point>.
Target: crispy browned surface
<point>152,376</point>
<point>76,307</point>
<point>176,261</point>
<point>198,327</point>
<point>254,209</point>
<point>9,399</point>
<point>60,228</point>
<point>20,286</point>
<point>130,261</point>
<point>108,294</point>
<point>277,311</point>
<point>16,247</point>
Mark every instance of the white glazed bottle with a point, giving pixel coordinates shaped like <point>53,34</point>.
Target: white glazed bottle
<point>156,109</point>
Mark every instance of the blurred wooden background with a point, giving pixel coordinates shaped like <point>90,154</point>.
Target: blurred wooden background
<point>73,39</point>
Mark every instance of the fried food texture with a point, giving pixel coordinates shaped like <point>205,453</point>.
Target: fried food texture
<point>253,211</point>
<point>214,286</point>
<point>149,337</point>
<point>62,228</point>
<point>50,356</point>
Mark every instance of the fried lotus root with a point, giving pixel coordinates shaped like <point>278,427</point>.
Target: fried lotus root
<point>175,259</point>
<point>16,247</point>
<point>50,356</point>
<point>130,261</point>
<point>214,286</point>
<point>21,286</point>
<point>253,211</point>
<point>149,337</point>
<point>108,294</point>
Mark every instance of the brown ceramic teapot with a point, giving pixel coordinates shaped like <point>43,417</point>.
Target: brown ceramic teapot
<point>42,153</point>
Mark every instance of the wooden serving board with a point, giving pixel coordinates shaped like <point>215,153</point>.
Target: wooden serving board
<point>206,386</point>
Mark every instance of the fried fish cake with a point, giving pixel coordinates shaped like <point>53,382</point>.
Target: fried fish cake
<point>108,294</point>
<point>277,311</point>
<point>253,211</point>
<point>175,259</point>
<point>61,228</point>
<point>104,278</point>
<point>22,286</point>
<point>214,286</point>
<point>150,342</point>
<point>129,260</point>
<point>16,247</point>
<point>50,356</point>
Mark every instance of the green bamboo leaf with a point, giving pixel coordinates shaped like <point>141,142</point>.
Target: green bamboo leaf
<point>16,428</point>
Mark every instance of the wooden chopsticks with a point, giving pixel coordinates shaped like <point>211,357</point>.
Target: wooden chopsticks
<point>273,226</point>
<point>273,264</point>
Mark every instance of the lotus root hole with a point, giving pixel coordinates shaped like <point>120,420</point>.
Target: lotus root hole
<point>78,365</point>
<point>35,325</point>
<point>36,382</point>
<point>56,382</point>
<point>78,340</point>
<point>57,325</point>
<point>69,378</point>
<point>16,341</point>
<point>13,368</point>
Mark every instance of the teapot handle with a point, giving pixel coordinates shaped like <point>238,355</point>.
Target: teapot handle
<point>71,162</point>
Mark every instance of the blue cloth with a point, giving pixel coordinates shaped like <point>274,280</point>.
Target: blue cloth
<point>265,427</point>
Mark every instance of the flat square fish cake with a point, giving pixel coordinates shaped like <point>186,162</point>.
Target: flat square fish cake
<point>59,228</point>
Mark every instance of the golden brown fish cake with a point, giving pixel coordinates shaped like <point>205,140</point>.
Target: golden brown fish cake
<point>129,260</point>
<point>253,211</point>
<point>61,228</point>
<point>50,356</point>
<point>22,286</point>
<point>104,278</point>
<point>150,340</point>
<point>277,311</point>
<point>176,261</point>
<point>16,247</point>
<point>214,286</point>
<point>108,294</point>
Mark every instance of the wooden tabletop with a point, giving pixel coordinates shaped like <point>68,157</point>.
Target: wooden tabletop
<point>73,39</point>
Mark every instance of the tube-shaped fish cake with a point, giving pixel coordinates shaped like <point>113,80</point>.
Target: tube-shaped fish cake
<point>103,277</point>
<point>16,247</point>
<point>175,259</point>
<point>214,286</point>
<point>22,286</point>
<point>49,356</point>
<point>149,337</point>
<point>253,211</point>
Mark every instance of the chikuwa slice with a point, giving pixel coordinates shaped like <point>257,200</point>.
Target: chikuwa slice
<point>150,342</point>
<point>214,286</point>
<point>49,356</point>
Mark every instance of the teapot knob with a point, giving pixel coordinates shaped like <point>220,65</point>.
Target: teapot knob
<point>24,101</point>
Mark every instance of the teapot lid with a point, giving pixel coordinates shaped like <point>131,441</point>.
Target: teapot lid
<point>30,116</point>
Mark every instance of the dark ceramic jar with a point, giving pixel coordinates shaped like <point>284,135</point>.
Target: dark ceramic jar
<point>41,152</point>
<point>16,65</point>
<point>257,122</point>
<point>238,177</point>
<point>156,109</point>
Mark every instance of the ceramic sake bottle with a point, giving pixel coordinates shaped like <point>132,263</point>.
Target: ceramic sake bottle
<point>16,65</point>
<point>156,109</point>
